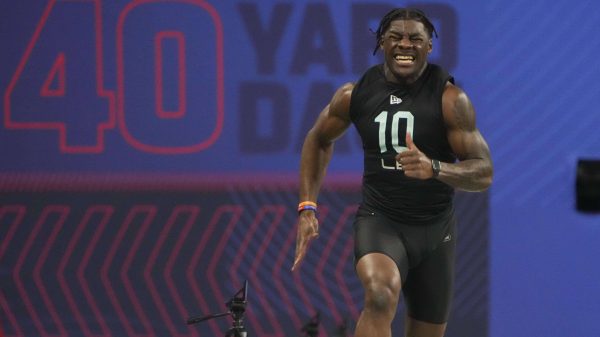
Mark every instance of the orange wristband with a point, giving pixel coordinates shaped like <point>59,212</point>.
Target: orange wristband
<point>307,205</point>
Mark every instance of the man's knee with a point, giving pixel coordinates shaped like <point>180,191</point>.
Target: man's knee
<point>381,296</point>
<point>381,281</point>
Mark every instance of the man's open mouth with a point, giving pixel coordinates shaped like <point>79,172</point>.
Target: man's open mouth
<point>404,58</point>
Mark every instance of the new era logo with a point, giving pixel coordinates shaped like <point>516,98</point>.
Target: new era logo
<point>447,238</point>
<point>395,100</point>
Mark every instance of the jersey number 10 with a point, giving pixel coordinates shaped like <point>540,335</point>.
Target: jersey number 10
<point>394,129</point>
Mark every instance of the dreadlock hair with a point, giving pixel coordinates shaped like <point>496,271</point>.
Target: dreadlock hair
<point>402,14</point>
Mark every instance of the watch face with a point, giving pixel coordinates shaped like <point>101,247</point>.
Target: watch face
<point>435,166</point>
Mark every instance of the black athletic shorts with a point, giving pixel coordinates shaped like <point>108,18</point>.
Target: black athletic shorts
<point>424,255</point>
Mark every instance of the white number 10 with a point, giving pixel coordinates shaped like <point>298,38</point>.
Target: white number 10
<point>395,133</point>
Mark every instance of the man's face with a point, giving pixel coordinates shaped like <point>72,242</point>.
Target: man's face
<point>406,46</point>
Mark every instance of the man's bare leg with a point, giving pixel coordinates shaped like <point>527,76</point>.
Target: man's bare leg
<point>380,278</point>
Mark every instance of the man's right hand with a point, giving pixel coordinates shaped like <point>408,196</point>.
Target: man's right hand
<point>308,229</point>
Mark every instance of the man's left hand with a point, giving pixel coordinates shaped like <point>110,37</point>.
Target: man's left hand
<point>415,163</point>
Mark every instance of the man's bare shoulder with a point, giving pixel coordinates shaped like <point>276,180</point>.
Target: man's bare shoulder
<point>340,103</point>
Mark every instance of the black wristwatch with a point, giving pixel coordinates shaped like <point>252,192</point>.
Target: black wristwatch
<point>435,167</point>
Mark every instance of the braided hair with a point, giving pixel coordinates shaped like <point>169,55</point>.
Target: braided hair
<point>402,14</point>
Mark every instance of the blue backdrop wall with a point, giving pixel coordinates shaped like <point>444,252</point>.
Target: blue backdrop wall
<point>198,96</point>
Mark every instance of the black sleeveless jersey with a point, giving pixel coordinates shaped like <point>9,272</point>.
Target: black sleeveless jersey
<point>383,112</point>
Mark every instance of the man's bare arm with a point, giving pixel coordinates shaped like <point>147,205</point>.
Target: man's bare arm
<point>332,122</point>
<point>474,170</point>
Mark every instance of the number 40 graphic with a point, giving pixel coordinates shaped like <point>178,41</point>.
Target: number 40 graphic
<point>59,83</point>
